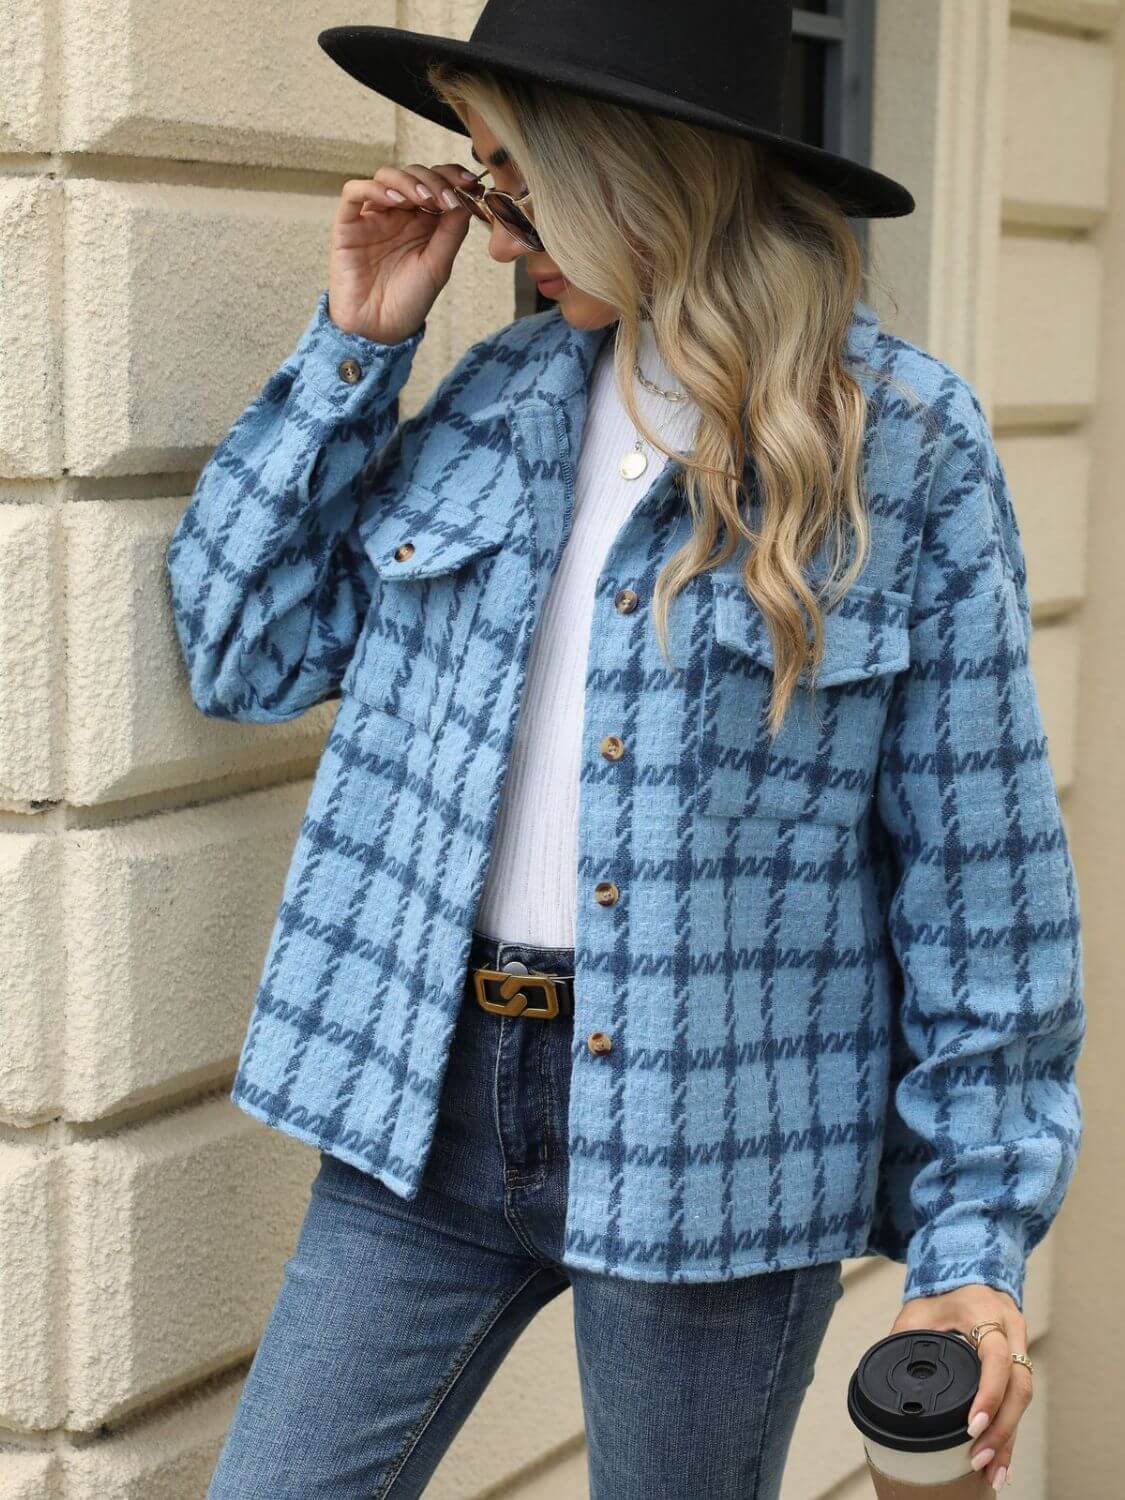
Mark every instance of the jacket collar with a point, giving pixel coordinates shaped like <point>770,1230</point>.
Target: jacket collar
<point>573,352</point>
<point>561,382</point>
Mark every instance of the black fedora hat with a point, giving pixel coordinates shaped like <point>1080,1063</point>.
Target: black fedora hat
<point>717,63</point>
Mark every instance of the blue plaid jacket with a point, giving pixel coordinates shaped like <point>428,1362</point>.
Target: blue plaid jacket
<point>841,971</point>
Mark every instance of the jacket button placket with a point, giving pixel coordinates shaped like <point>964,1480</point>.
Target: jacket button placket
<point>612,748</point>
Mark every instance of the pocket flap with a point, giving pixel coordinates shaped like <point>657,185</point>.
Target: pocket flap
<point>865,635</point>
<point>442,534</point>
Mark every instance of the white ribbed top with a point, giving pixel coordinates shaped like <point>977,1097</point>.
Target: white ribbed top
<point>530,888</point>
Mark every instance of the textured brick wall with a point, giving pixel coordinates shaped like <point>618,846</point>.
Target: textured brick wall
<point>168,183</point>
<point>1061,382</point>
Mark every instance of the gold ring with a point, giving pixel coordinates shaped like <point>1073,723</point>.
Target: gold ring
<point>978,1331</point>
<point>1022,1359</point>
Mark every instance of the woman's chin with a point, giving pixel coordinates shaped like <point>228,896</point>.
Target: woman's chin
<point>583,311</point>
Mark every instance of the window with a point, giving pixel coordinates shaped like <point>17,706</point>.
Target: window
<point>828,91</point>
<point>827,97</point>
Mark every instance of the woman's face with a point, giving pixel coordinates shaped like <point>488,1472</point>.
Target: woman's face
<point>579,308</point>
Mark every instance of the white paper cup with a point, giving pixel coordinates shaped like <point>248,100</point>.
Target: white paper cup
<point>910,1397</point>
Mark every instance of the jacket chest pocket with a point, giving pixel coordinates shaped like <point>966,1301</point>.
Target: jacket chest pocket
<point>432,555</point>
<point>822,764</point>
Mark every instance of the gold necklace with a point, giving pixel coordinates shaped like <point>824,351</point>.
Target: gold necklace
<point>635,461</point>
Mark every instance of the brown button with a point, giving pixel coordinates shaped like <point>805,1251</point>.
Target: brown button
<point>606,893</point>
<point>613,747</point>
<point>627,600</point>
<point>599,1042</point>
<point>404,551</point>
<point>350,370</point>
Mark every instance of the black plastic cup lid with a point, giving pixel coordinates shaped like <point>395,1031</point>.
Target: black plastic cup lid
<point>913,1390</point>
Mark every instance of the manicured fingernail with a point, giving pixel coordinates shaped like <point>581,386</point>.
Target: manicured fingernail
<point>398,197</point>
<point>450,198</point>
<point>986,1455</point>
<point>468,176</point>
<point>978,1424</point>
<point>422,190</point>
<point>998,1482</point>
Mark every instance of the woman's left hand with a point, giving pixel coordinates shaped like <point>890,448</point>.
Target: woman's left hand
<point>1005,1386</point>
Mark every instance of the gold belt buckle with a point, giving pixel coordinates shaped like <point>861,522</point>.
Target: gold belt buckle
<point>512,986</point>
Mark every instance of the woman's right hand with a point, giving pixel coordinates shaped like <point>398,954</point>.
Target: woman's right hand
<point>389,259</point>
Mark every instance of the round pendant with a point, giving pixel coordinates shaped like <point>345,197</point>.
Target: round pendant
<point>633,465</point>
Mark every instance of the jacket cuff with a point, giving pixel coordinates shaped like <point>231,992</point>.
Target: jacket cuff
<point>981,1251</point>
<point>346,370</point>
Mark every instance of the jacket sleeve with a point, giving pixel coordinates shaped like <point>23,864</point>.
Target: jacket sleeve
<point>983,911</point>
<point>269,587</point>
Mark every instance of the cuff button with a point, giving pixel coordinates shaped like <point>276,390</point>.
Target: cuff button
<point>350,370</point>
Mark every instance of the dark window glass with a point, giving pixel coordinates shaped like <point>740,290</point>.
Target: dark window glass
<point>803,110</point>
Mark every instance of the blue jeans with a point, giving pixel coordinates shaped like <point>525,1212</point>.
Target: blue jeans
<point>394,1315</point>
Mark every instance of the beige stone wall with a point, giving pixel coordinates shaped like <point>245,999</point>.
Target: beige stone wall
<point>1009,274</point>
<point>1090,1249</point>
<point>167,194</point>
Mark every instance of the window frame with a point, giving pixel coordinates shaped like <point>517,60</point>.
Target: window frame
<point>847,30</point>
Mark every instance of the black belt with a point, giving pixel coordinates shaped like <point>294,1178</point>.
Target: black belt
<point>507,992</point>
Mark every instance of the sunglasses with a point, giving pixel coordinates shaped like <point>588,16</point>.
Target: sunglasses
<point>493,206</point>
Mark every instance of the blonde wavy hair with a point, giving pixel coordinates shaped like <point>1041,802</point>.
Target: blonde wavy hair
<point>750,276</point>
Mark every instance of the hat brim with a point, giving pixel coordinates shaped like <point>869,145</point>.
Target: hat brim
<point>393,62</point>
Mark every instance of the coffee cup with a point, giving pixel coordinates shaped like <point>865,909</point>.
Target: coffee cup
<point>910,1396</point>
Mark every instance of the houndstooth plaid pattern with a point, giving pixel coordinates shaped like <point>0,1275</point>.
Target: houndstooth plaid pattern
<point>843,970</point>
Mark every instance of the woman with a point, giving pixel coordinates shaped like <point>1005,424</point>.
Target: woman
<point>668,960</point>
